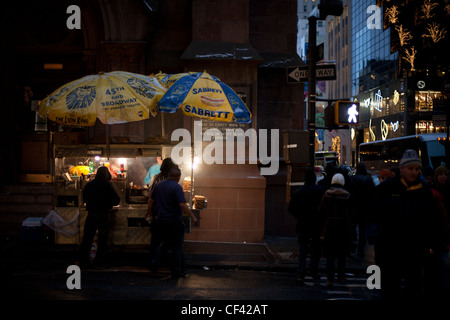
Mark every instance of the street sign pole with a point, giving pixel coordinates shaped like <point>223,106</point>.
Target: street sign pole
<point>312,88</point>
<point>326,7</point>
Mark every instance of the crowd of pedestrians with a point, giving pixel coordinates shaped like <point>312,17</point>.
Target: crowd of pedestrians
<point>404,217</point>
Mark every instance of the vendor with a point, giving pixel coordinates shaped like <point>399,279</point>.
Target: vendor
<point>154,170</point>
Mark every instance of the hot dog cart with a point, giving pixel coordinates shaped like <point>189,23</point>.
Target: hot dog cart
<point>76,165</point>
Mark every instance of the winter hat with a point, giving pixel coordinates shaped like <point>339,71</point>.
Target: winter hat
<point>338,178</point>
<point>410,158</point>
<point>385,174</point>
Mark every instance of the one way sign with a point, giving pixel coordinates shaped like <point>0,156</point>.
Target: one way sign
<point>300,73</point>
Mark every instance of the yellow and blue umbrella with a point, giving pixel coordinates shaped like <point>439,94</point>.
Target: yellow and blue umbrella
<point>204,96</point>
<point>114,97</point>
<point>167,79</point>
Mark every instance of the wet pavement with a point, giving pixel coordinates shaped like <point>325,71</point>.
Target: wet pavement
<point>236,271</point>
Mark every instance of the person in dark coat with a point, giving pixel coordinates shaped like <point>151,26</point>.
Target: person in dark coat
<point>330,170</point>
<point>304,206</point>
<point>363,203</point>
<point>410,230</point>
<point>441,183</point>
<point>335,210</point>
<point>100,195</point>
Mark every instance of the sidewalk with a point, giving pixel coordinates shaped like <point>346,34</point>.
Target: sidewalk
<point>276,254</point>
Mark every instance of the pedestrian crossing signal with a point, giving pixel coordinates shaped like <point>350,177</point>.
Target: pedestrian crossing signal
<point>346,113</point>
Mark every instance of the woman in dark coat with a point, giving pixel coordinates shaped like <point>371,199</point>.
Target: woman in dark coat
<point>335,210</point>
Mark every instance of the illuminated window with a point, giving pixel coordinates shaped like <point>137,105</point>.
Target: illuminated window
<point>424,100</point>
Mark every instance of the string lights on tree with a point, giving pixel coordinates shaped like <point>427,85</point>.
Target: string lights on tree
<point>410,57</point>
<point>392,14</point>
<point>447,9</point>
<point>435,32</point>
<point>403,34</point>
<point>426,9</point>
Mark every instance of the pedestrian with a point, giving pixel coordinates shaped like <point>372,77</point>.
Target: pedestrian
<point>438,270</point>
<point>156,240</point>
<point>153,170</point>
<point>304,206</point>
<point>169,202</point>
<point>442,185</point>
<point>100,195</point>
<point>336,234</point>
<point>330,170</point>
<point>163,173</point>
<point>363,204</point>
<point>410,230</point>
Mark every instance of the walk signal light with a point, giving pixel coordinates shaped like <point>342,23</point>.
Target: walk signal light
<point>346,113</point>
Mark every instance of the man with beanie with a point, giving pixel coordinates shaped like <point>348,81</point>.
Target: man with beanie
<point>410,230</point>
<point>336,231</point>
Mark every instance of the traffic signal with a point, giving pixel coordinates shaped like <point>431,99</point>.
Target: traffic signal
<point>346,113</point>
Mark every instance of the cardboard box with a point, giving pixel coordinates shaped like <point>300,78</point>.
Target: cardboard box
<point>32,229</point>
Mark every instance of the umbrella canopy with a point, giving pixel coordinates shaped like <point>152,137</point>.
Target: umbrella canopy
<point>167,79</point>
<point>204,96</point>
<point>114,97</point>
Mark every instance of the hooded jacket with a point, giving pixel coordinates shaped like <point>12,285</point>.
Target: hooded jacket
<point>100,194</point>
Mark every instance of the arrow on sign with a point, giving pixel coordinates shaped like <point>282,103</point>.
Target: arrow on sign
<point>300,73</point>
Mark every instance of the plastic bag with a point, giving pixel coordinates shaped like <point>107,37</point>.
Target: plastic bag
<point>60,225</point>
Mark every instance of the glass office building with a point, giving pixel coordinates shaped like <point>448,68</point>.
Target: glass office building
<point>375,80</point>
<point>394,100</point>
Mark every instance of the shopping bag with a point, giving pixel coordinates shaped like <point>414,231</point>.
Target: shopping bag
<point>67,228</point>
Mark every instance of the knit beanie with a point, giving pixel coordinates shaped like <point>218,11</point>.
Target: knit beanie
<point>410,158</point>
<point>338,178</point>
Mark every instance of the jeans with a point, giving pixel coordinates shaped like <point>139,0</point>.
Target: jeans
<point>168,236</point>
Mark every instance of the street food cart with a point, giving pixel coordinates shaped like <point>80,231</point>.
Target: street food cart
<point>76,165</point>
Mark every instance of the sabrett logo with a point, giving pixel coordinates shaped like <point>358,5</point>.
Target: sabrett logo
<point>206,113</point>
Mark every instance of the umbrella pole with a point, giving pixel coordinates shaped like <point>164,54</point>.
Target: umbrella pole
<point>108,151</point>
<point>192,177</point>
<point>192,165</point>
